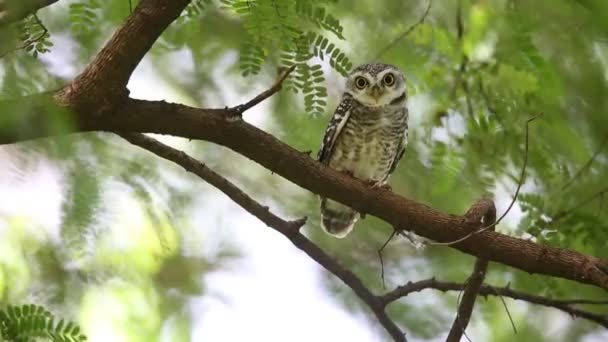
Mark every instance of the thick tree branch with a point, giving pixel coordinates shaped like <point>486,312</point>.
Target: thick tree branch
<point>103,82</point>
<point>245,139</point>
<point>212,125</point>
<point>290,229</point>
<point>565,305</point>
<point>15,10</point>
<point>483,212</point>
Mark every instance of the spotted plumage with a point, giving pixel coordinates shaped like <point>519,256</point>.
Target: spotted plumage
<point>366,137</point>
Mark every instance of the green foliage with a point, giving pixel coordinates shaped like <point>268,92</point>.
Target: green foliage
<point>84,16</point>
<point>34,36</point>
<point>470,96</point>
<point>27,322</point>
<point>319,17</point>
<point>276,29</point>
<point>196,8</point>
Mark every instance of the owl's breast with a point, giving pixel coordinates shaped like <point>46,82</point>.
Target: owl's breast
<point>367,146</point>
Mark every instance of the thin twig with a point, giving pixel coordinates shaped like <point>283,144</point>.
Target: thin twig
<point>599,206</point>
<point>380,250</point>
<point>405,33</point>
<point>29,42</point>
<point>560,215</point>
<point>290,229</point>
<point>460,78</point>
<point>504,304</point>
<point>519,185</point>
<point>459,22</point>
<point>587,165</point>
<point>564,305</point>
<point>240,109</point>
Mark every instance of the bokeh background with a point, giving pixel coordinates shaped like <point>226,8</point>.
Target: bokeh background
<point>135,249</point>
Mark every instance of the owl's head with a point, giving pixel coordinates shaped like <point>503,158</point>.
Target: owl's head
<point>377,85</point>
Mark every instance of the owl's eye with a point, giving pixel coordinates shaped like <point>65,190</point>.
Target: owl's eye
<point>389,80</point>
<point>360,82</point>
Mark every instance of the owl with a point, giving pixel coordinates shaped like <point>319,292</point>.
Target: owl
<point>366,136</point>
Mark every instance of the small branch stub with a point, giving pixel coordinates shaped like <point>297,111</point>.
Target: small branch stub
<point>237,112</point>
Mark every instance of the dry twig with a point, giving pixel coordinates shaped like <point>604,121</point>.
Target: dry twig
<point>405,33</point>
<point>240,109</point>
<point>519,185</point>
<point>564,305</point>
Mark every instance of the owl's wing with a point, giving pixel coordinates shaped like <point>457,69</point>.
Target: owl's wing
<point>334,128</point>
<point>400,150</point>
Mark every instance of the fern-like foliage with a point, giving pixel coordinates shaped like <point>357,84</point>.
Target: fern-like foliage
<point>196,8</point>
<point>34,35</point>
<point>84,15</point>
<point>287,30</point>
<point>319,17</point>
<point>29,322</point>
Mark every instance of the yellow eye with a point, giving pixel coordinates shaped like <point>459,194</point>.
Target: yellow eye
<point>389,80</point>
<point>360,82</point>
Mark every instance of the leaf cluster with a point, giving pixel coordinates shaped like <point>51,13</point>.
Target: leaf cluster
<point>27,322</point>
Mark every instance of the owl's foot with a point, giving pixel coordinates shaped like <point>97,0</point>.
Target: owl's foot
<point>348,173</point>
<point>379,184</point>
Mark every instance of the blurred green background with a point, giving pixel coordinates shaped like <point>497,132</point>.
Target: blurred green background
<point>134,249</point>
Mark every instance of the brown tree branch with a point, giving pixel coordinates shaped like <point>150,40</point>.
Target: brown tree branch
<point>278,84</point>
<point>102,84</point>
<point>483,212</point>
<point>290,229</point>
<point>565,305</point>
<point>212,125</point>
<point>265,149</point>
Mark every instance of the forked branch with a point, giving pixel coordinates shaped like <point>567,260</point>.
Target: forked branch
<point>290,229</point>
<point>482,212</point>
<point>565,305</point>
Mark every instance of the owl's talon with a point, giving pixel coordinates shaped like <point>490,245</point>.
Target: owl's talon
<point>348,173</point>
<point>386,187</point>
<point>374,184</point>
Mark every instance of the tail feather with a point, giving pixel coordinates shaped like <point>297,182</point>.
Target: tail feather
<point>336,218</point>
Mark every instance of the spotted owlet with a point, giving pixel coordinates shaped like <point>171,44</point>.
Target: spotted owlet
<point>366,136</point>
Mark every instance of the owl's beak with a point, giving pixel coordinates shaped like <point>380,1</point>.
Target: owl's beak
<point>376,92</point>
